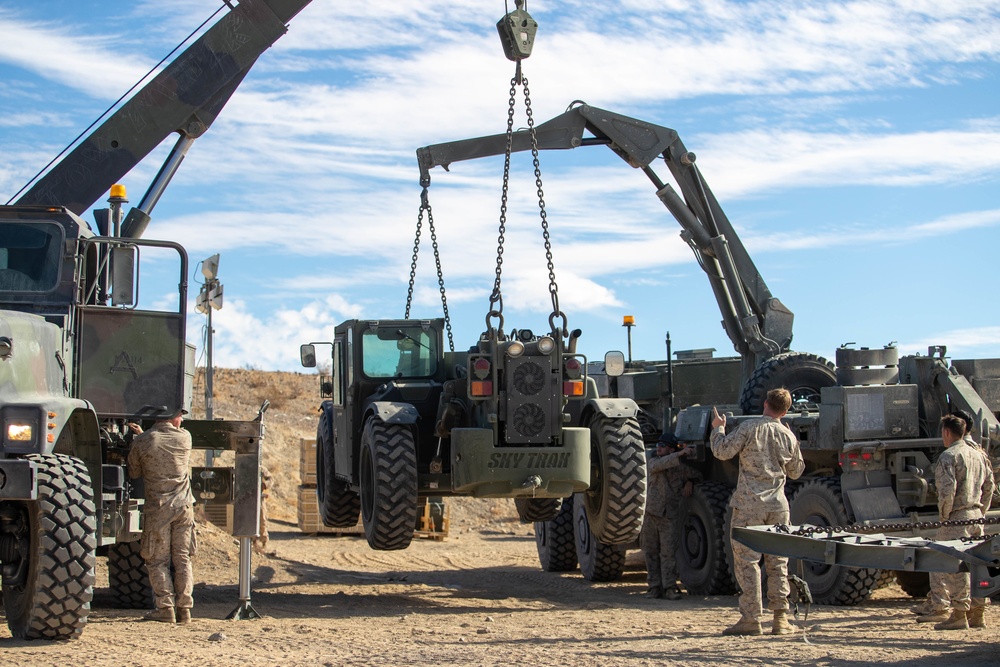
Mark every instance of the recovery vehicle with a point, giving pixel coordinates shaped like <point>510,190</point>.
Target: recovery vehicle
<point>80,356</point>
<point>867,425</point>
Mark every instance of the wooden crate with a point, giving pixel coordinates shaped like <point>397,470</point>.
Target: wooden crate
<point>307,461</point>
<point>308,515</point>
<point>220,515</point>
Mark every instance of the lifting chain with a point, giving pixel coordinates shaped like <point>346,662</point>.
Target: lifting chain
<point>496,297</point>
<point>890,527</point>
<point>425,205</point>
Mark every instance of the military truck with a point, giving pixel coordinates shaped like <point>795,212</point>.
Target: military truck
<point>81,355</point>
<point>868,427</point>
<point>405,420</point>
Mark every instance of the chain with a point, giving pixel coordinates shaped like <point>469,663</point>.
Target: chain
<point>887,527</point>
<point>426,206</point>
<point>496,297</point>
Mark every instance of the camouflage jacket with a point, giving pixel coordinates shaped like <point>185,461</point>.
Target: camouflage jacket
<point>162,457</point>
<point>665,479</point>
<point>768,453</point>
<point>963,479</point>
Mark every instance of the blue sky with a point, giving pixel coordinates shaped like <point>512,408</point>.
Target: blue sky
<point>854,145</point>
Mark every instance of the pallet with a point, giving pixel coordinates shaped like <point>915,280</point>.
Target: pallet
<point>307,461</point>
<point>425,524</point>
<point>308,516</point>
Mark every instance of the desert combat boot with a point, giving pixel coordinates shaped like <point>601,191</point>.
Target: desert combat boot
<point>780,624</point>
<point>957,621</point>
<point>163,615</point>
<point>977,617</point>
<point>745,626</point>
<point>183,616</point>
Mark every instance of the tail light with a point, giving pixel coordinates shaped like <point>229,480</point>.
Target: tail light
<point>481,388</point>
<point>573,369</point>
<point>572,388</point>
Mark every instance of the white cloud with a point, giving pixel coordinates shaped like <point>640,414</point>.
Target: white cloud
<point>967,342</point>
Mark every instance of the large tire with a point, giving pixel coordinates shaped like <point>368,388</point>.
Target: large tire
<point>802,374</point>
<point>702,557</point>
<point>530,510</point>
<point>616,499</point>
<point>128,577</point>
<point>820,503</point>
<point>49,596</point>
<point>554,540</point>
<point>339,507</point>
<point>598,561</point>
<point>914,584</point>
<point>388,472</point>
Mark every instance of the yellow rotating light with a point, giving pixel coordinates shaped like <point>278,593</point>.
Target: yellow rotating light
<point>546,345</point>
<point>19,432</point>
<point>118,190</point>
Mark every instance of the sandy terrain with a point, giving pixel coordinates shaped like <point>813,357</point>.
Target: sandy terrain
<point>476,598</point>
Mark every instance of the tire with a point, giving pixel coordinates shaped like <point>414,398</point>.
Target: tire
<point>128,577</point>
<point>530,510</point>
<point>702,558</point>
<point>914,584</point>
<point>554,540</point>
<point>884,579</point>
<point>801,373</point>
<point>598,561</point>
<point>820,503</point>
<point>49,597</point>
<point>616,499</point>
<point>339,507</point>
<point>388,473</point>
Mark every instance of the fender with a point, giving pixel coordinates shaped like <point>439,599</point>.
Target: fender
<point>614,408</point>
<point>394,412</point>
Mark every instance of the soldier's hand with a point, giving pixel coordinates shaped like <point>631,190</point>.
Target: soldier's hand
<point>135,428</point>
<point>688,489</point>
<point>717,419</point>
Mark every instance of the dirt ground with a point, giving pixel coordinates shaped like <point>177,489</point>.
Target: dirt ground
<point>477,597</point>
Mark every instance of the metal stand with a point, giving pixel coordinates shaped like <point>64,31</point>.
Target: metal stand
<point>245,610</point>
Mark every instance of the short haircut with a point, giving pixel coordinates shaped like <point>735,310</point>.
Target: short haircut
<point>966,417</point>
<point>779,399</point>
<point>954,424</point>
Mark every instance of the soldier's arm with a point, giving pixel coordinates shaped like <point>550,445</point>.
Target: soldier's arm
<point>989,486</point>
<point>946,484</point>
<point>661,463</point>
<point>795,465</point>
<point>725,447</point>
<point>134,461</point>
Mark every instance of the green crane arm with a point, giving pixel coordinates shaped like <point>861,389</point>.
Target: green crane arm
<point>757,323</point>
<point>185,98</point>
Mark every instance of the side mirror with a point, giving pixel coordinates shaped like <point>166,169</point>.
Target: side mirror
<point>123,275</point>
<point>614,363</point>
<point>307,354</point>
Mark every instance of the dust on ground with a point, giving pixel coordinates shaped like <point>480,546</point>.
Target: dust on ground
<point>475,598</point>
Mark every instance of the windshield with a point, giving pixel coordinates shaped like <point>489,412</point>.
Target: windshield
<point>399,352</point>
<point>29,256</point>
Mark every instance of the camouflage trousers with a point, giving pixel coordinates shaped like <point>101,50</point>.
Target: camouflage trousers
<point>168,538</point>
<point>953,589</point>
<point>746,566</point>
<point>658,540</point>
<point>260,542</point>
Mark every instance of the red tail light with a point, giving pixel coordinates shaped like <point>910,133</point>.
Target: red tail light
<point>481,388</point>
<point>572,388</point>
<point>573,369</point>
<point>481,368</point>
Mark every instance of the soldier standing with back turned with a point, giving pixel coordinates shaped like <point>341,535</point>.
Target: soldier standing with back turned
<point>162,457</point>
<point>768,453</point>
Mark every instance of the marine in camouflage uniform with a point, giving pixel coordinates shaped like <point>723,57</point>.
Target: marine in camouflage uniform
<point>964,482</point>
<point>768,453</point>
<point>162,457</point>
<point>666,478</point>
<point>260,542</point>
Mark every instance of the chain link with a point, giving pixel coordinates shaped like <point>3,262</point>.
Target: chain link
<point>426,206</point>
<point>496,297</point>
<point>806,531</point>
